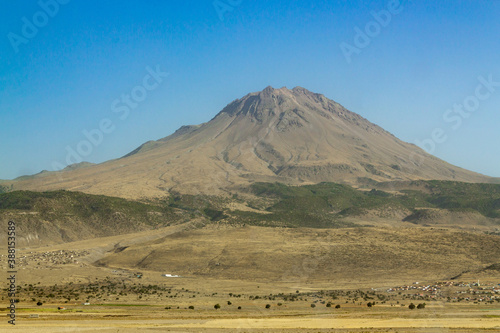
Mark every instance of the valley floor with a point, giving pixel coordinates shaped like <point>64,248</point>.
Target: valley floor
<point>130,299</point>
<point>350,319</point>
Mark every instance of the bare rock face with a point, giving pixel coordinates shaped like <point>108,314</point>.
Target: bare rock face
<point>292,136</point>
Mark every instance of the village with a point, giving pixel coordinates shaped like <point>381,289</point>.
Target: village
<point>452,291</point>
<point>41,260</point>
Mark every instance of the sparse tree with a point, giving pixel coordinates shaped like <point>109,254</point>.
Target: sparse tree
<point>411,306</point>
<point>217,306</point>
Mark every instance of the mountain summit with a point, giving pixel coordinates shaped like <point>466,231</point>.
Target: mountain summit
<point>293,136</point>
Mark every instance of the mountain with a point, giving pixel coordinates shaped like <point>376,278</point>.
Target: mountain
<point>276,135</point>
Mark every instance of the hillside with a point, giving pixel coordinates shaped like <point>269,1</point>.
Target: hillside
<point>64,216</point>
<point>276,135</point>
<point>335,255</point>
<point>61,216</point>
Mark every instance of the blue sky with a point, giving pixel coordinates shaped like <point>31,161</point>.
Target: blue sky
<point>62,78</point>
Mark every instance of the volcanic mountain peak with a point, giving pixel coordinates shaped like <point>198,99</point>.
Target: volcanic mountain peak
<point>271,102</point>
<point>288,110</point>
<point>287,135</point>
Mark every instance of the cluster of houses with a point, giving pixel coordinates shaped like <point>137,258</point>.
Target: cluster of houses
<point>62,257</point>
<point>479,293</point>
<point>473,291</point>
<point>419,290</point>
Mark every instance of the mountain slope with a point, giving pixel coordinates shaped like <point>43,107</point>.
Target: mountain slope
<point>292,136</point>
<point>61,216</point>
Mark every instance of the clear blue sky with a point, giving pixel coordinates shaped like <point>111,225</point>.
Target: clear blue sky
<point>63,79</point>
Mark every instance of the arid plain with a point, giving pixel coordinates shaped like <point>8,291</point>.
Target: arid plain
<point>311,293</point>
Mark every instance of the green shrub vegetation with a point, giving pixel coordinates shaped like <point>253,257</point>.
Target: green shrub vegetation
<point>76,211</point>
<point>327,204</point>
<point>323,205</point>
